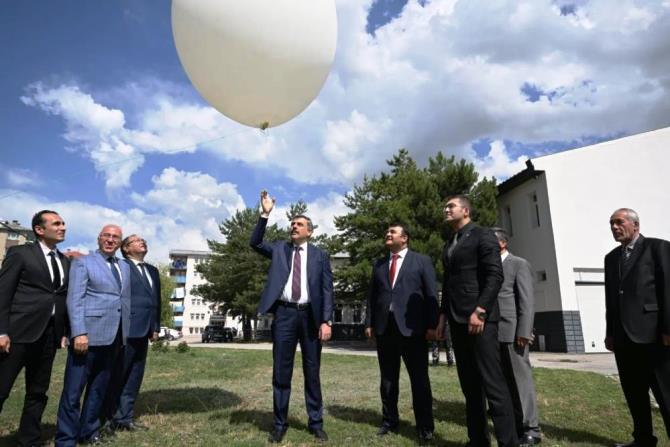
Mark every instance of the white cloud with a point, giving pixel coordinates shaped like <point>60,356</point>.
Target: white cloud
<point>437,77</point>
<point>181,211</point>
<point>498,163</point>
<point>21,178</point>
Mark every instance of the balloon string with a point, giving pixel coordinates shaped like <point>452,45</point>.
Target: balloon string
<point>168,151</point>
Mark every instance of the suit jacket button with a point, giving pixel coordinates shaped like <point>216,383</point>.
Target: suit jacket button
<point>118,310</point>
<point>620,292</point>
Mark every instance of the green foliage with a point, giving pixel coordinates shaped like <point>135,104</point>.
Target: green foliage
<point>167,288</point>
<point>412,196</point>
<point>161,346</point>
<point>235,273</point>
<point>182,347</point>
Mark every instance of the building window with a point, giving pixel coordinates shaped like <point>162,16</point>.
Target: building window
<point>357,314</point>
<point>202,316</point>
<point>507,221</point>
<point>338,314</point>
<point>534,210</point>
<point>192,316</point>
<point>190,330</point>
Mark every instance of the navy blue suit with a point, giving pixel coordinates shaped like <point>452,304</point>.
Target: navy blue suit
<point>145,302</point>
<point>292,325</point>
<point>400,314</point>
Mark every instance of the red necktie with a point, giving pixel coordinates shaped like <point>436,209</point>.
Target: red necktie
<point>394,258</point>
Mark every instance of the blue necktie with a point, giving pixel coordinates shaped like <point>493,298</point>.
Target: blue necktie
<point>115,272</point>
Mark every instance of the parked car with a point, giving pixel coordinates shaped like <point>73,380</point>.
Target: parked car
<point>217,334</point>
<point>169,334</point>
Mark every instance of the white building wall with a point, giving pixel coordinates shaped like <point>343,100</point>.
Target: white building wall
<point>530,241</point>
<point>583,187</point>
<point>196,310</point>
<point>586,185</point>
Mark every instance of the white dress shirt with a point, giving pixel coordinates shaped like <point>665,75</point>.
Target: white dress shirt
<point>304,292</point>
<point>46,250</point>
<point>146,270</point>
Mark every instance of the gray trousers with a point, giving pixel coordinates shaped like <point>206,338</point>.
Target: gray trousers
<point>516,367</point>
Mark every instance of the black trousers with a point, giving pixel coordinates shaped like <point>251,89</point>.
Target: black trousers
<point>37,359</point>
<point>641,367</point>
<point>391,347</point>
<point>482,379</point>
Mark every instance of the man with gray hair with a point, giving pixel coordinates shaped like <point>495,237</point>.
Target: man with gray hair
<point>515,329</point>
<point>637,300</point>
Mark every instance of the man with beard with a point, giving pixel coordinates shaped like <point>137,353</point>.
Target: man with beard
<point>33,318</point>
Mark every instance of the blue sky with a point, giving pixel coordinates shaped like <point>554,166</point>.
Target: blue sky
<point>86,84</point>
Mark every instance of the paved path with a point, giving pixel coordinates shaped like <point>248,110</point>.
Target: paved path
<point>598,363</point>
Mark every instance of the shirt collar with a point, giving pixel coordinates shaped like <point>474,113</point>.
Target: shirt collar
<point>402,253</point>
<point>46,250</point>
<point>632,243</point>
<point>303,246</point>
<point>503,256</point>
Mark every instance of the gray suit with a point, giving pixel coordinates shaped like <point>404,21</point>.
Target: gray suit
<point>516,302</point>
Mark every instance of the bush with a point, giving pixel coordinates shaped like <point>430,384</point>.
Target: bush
<point>183,347</point>
<point>160,346</point>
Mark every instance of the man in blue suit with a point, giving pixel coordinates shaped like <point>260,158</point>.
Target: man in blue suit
<point>299,292</point>
<point>98,305</point>
<point>402,312</point>
<point>145,302</point>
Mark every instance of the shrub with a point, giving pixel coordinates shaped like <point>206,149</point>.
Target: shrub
<point>160,346</point>
<point>182,347</point>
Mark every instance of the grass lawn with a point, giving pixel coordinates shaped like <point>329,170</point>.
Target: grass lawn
<point>223,397</point>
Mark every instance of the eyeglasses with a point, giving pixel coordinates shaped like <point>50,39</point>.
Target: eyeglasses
<point>137,240</point>
<point>116,237</point>
<point>451,206</point>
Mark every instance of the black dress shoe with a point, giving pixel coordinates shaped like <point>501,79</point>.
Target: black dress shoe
<point>131,426</point>
<point>320,434</point>
<point>526,440</point>
<point>386,429</point>
<point>425,435</point>
<point>276,435</point>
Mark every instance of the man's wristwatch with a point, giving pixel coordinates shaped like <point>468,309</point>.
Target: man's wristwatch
<point>481,315</point>
<point>329,323</point>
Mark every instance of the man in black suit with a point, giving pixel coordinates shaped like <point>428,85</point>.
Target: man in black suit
<point>299,292</point>
<point>145,310</point>
<point>472,278</point>
<point>33,286</point>
<point>402,312</point>
<point>637,298</point>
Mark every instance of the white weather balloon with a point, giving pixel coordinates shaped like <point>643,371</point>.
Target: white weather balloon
<point>259,62</point>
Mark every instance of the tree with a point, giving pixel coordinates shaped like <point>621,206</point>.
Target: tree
<point>167,289</point>
<point>414,197</point>
<point>235,273</point>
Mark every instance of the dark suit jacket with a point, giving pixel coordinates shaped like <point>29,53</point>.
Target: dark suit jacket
<point>145,301</point>
<point>637,297</point>
<point>27,297</point>
<point>472,275</point>
<point>319,275</point>
<point>414,296</point>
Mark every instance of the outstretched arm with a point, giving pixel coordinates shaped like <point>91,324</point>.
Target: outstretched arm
<point>256,242</point>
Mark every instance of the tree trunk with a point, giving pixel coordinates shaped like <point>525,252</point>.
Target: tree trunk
<point>246,327</point>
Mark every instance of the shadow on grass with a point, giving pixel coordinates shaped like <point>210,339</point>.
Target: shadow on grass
<point>48,433</point>
<point>263,420</point>
<point>374,418</point>
<point>184,400</point>
<point>572,435</point>
<point>450,411</point>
